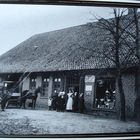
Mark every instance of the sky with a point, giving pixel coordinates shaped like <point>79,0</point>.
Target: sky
<point>19,22</point>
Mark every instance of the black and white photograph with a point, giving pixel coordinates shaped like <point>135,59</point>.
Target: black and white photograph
<point>69,70</point>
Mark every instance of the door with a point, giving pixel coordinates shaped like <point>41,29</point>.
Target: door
<point>73,83</point>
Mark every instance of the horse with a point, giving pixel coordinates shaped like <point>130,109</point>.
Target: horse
<point>27,94</point>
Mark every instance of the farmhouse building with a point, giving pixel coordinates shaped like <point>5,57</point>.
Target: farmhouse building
<point>61,60</point>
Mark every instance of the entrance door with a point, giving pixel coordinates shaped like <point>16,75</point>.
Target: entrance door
<point>73,83</point>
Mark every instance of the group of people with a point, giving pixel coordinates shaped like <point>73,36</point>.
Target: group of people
<point>108,101</point>
<point>71,102</point>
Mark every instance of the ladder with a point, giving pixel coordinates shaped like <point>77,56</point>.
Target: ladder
<point>21,79</point>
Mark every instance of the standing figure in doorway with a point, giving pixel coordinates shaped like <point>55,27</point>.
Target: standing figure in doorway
<point>75,102</point>
<point>81,103</point>
<point>69,101</point>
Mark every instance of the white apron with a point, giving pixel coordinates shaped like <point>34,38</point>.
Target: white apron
<point>69,102</point>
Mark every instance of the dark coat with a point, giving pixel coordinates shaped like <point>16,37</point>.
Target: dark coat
<point>54,99</point>
<point>81,105</point>
<point>5,97</point>
<point>75,103</point>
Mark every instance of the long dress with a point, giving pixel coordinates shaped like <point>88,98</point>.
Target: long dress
<point>75,102</point>
<point>81,103</point>
<point>69,102</point>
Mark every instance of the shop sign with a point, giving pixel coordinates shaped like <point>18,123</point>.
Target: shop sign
<point>88,89</point>
<point>89,78</point>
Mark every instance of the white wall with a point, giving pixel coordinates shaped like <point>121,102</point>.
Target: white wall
<point>38,81</point>
<point>26,83</point>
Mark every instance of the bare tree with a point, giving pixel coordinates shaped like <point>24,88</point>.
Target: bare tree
<point>117,47</point>
<point>136,36</point>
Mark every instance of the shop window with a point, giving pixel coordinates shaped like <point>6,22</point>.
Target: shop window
<point>32,83</point>
<point>105,94</point>
<point>45,87</point>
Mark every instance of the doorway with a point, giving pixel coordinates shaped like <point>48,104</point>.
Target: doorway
<point>73,83</point>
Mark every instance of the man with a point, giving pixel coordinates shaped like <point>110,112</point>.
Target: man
<point>5,97</point>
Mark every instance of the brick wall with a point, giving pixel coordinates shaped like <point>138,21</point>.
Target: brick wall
<point>89,94</point>
<point>88,102</point>
<point>129,91</point>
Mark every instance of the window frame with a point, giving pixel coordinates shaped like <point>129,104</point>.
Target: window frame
<point>32,82</point>
<point>46,84</point>
<point>57,80</point>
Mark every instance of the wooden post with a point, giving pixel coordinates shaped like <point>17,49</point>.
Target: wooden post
<point>65,84</point>
<point>81,84</point>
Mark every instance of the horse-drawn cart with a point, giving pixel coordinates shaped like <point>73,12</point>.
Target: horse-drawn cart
<point>14,100</point>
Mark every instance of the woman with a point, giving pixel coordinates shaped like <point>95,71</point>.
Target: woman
<point>81,103</point>
<point>69,101</point>
<point>75,102</point>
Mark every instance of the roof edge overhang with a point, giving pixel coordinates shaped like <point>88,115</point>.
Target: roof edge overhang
<point>132,68</point>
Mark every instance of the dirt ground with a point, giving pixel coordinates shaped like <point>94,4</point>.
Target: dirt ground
<point>43,122</point>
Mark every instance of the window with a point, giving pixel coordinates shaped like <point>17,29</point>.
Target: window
<point>105,93</point>
<point>32,83</point>
<point>45,86</point>
<point>57,85</point>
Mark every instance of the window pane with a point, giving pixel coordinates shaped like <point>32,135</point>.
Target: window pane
<point>45,85</point>
<point>44,79</point>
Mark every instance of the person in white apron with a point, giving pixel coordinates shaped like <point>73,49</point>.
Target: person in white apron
<point>69,101</point>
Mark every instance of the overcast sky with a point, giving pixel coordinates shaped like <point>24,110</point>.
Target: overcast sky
<point>19,22</point>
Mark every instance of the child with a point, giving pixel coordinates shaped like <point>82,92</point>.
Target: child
<point>50,103</point>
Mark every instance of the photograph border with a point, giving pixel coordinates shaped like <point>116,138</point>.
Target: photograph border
<point>104,3</point>
<point>131,3</point>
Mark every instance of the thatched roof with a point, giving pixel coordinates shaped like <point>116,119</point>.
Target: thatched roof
<point>66,49</point>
